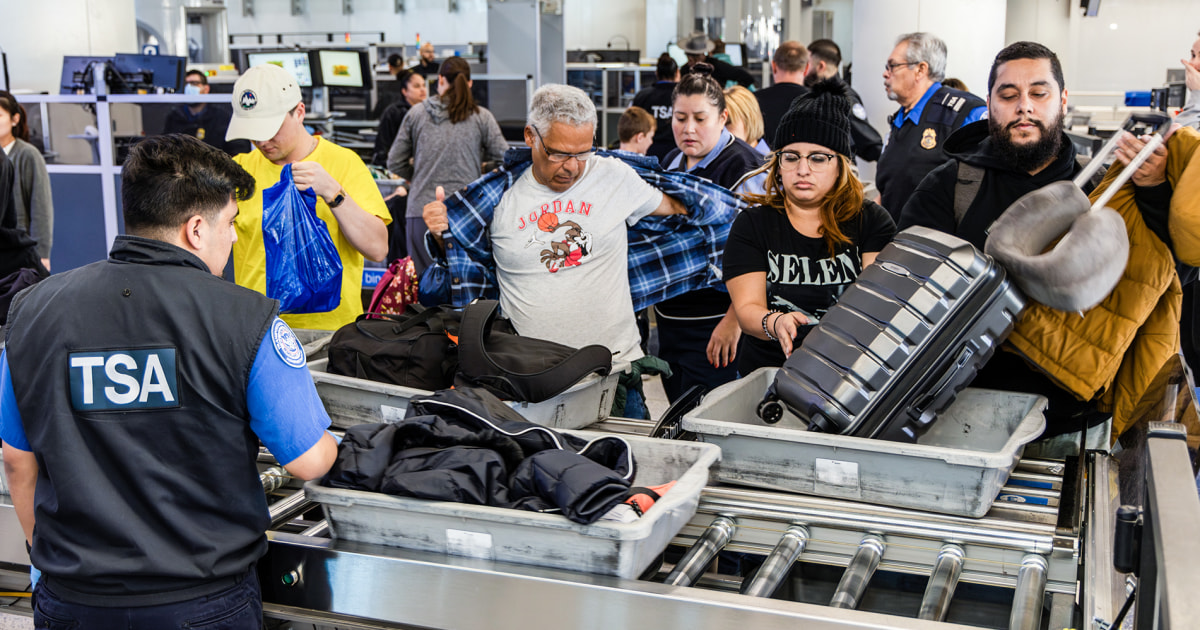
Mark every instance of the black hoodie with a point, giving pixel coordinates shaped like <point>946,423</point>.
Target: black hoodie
<point>932,205</point>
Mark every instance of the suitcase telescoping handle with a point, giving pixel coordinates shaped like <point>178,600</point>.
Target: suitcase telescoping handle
<point>1159,122</point>
<point>924,408</point>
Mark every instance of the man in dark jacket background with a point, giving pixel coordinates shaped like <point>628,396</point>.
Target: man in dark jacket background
<point>698,48</point>
<point>824,59</point>
<point>789,66</point>
<point>1020,148</point>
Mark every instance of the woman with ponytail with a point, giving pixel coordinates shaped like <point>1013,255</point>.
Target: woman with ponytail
<point>443,142</point>
<point>31,188</point>
<point>790,258</point>
<point>698,333</point>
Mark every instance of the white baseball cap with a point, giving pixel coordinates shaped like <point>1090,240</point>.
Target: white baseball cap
<point>262,98</point>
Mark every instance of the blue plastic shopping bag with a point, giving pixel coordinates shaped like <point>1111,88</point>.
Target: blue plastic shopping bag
<point>304,271</point>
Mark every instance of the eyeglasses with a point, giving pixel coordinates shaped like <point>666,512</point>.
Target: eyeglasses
<point>558,157</point>
<point>195,82</point>
<point>790,160</point>
<point>890,67</point>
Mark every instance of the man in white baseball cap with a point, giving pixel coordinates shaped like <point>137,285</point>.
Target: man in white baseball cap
<point>268,110</point>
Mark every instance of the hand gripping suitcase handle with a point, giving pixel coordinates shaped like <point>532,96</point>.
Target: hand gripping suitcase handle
<point>920,409</point>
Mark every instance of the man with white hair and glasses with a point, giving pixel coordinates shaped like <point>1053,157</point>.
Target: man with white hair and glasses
<point>929,112</point>
<point>571,240</point>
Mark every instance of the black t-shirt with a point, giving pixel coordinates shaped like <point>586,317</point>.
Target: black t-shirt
<point>800,273</point>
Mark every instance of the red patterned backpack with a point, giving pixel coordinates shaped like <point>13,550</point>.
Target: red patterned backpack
<point>396,288</point>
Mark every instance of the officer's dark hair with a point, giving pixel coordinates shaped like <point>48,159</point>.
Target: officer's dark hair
<point>395,60</point>
<point>167,180</point>
<point>1027,50</point>
<point>700,81</point>
<point>826,50</point>
<point>791,56</point>
<point>666,68</point>
<point>203,77</point>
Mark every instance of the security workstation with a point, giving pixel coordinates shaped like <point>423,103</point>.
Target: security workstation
<point>1046,550</point>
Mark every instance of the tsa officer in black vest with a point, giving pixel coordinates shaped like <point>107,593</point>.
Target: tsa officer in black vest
<point>928,113</point>
<point>133,396</point>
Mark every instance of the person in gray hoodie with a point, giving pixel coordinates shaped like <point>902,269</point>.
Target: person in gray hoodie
<point>443,141</point>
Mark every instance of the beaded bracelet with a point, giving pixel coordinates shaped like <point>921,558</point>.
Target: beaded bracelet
<point>767,331</point>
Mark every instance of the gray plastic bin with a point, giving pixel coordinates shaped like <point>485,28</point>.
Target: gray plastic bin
<point>351,401</point>
<point>958,466</point>
<point>315,342</point>
<point>548,540</point>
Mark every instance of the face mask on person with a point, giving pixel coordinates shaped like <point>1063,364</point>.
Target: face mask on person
<point>191,89</point>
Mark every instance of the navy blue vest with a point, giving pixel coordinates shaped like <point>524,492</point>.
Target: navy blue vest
<point>913,151</point>
<point>131,376</point>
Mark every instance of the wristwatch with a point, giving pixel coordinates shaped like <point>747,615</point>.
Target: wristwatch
<point>337,201</point>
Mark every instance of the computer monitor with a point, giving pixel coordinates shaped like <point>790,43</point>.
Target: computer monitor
<point>295,62</point>
<point>149,72</point>
<point>736,52</point>
<point>77,73</point>
<point>341,68</point>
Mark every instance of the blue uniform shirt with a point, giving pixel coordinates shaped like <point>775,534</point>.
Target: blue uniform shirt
<point>914,114</point>
<point>285,411</point>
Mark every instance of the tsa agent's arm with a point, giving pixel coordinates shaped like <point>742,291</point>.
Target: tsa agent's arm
<point>285,411</point>
<point>20,464</point>
<point>365,231</point>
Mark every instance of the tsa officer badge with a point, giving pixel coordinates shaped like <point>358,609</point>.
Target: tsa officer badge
<point>929,139</point>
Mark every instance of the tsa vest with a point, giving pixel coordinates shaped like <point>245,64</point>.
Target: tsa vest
<point>914,150</point>
<point>130,375</point>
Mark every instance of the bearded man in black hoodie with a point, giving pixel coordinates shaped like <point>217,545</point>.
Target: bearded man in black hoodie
<point>1017,149</point>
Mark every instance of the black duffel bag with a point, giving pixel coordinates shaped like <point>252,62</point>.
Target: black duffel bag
<point>492,356</point>
<point>415,349</point>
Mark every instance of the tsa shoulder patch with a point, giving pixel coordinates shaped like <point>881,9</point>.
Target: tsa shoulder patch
<point>123,380</point>
<point>287,346</point>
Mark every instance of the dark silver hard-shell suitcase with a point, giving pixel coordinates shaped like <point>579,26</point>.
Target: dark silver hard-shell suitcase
<point>901,341</point>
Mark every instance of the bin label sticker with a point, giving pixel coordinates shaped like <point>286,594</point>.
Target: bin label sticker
<point>472,544</point>
<point>836,473</point>
<point>390,414</point>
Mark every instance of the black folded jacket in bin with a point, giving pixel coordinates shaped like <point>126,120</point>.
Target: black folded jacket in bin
<point>465,445</point>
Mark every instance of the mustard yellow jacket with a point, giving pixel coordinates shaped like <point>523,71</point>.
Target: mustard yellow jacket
<point>1113,351</point>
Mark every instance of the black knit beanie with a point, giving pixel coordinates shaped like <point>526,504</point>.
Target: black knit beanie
<point>820,117</point>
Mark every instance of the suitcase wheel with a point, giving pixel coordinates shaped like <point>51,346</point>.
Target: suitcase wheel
<point>770,410</point>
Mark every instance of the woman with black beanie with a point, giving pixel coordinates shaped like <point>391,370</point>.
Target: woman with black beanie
<point>790,258</point>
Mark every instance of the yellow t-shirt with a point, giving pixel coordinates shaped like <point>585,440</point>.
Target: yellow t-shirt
<point>249,253</point>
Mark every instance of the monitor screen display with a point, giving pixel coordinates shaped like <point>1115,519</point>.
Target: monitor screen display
<point>157,71</point>
<point>77,73</point>
<point>341,68</point>
<point>735,54</point>
<point>292,61</point>
<point>677,54</point>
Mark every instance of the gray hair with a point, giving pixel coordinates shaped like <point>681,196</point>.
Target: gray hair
<point>555,102</point>
<point>927,48</point>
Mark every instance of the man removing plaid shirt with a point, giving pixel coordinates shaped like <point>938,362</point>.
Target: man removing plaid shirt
<point>572,241</point>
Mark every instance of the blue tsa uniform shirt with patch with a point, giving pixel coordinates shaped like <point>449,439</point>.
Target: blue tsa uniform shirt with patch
<point>145,411</point>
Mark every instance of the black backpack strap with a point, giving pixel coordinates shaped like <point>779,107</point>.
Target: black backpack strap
<point>966,188</point>
<point>474,361</point>
<point>427,316</point>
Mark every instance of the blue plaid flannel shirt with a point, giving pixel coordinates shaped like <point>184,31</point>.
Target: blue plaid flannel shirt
<point>668,256</point>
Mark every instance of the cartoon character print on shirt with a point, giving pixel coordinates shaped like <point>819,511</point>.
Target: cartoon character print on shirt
<point>566,244</point>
